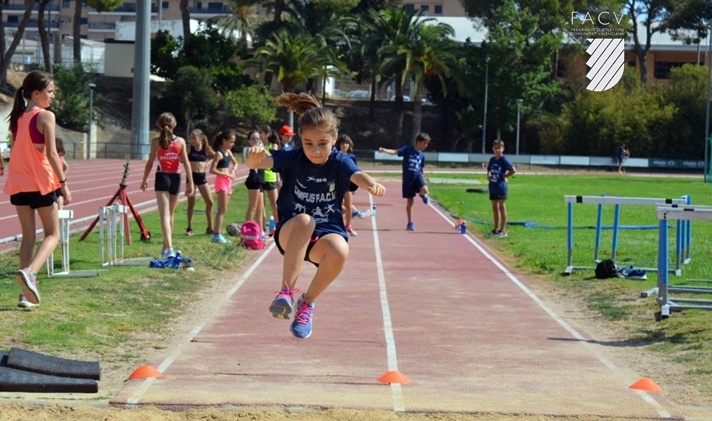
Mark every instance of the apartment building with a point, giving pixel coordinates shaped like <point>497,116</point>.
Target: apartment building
<point>98,26</point>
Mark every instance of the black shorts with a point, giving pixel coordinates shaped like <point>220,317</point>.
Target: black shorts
<point>167,181</point>
<point>34,199</point>
<point>199,178</point>
<point>313,241</point>
<point>253,184</point>
<point>269,186</point>
<point>498,196</point>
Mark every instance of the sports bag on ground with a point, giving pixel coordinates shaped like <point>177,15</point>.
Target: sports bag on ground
<point>606,269</point>
<point>251,236</point>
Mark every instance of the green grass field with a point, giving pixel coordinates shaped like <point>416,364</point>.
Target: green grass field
<point>683,338</point>
<point>114,317</point>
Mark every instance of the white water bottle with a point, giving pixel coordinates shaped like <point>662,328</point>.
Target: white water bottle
<point>373,210</point>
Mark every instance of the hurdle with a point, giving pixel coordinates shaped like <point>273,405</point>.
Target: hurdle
<point>112,227</point>
<point>668,303</point>
<point>65,220</point>
<point>683,229</point>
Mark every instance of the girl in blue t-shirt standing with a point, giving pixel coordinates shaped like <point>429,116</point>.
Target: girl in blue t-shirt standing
<point>315,178</point>
<point>498,170</point>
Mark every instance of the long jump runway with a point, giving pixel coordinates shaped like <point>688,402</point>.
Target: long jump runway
<point>432,304</point>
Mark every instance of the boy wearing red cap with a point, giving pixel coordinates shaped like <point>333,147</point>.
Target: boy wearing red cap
<point>285,134</point>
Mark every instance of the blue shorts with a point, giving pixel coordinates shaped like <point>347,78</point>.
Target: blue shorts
<point>498,191</point>
<point>412,186</point>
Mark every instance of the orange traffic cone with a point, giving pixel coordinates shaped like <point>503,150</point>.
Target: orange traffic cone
<point>394,377</point>
<point>145,372</point>
<point>647,385</point>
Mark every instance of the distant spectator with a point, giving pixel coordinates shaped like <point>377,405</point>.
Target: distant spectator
<point>623,155</point>
<point>286,133</point>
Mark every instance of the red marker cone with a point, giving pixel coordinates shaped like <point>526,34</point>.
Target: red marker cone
<point>394,377</point>
<point>145,372</point>
<point>647,385</point>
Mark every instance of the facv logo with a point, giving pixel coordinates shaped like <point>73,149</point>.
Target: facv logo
<point>606,49</point>
<point>606,63</point>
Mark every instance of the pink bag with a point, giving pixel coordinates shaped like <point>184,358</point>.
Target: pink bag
<point>251,236</point>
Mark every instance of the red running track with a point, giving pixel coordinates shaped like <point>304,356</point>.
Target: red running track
<point>433,304</point>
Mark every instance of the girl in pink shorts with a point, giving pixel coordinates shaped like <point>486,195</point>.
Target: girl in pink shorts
<point>223,166</point>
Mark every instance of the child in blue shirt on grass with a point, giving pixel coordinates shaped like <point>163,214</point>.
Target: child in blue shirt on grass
<point>413,180</point>
<point>315,178</point>
<point>498,170</point>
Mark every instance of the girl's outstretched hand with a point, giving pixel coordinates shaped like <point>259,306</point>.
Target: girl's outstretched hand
<point>255,156</point>
<point>377,189</point>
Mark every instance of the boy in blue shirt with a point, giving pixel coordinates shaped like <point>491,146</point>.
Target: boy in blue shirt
<point>413,180</point>
<point>498,170</point>
<point>315,178</point>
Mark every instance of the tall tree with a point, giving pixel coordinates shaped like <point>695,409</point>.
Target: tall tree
<point>192,95</point>
<point>396,26</point>
<point>99,6</point>
<point>44,36</point>
<point>293,60</point>
<point>185,19</point>
<point>690,16</point>
<point>77,31</point>
<point>360,51</point>
<point>239,21</point>
<point>6,54</point>
<point>647,18</point>
<point>519,56</point>
<point>430,52</point>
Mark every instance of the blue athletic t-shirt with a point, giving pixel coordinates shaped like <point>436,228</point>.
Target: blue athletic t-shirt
<point>413,162</point>
<point>498,168</point>
<point>317,190</point>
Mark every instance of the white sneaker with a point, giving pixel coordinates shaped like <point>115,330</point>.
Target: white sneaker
<point>364,214</point>
<point>23,303</point>
<point>351,231</point>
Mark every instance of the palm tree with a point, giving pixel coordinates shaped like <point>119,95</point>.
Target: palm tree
<point>293,60</point>
<point>415,49</point>
<point>239,21</point>
<point>392,28</point>
<point>431,53</point>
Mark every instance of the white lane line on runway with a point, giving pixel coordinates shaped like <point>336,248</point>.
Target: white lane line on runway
<point>608,363</point>
<point>387,322</point>
<point>133,400</point>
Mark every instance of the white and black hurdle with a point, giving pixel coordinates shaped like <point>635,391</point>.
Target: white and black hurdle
<point>112,228</point>
<point>667,303</point>
<point>65,222</point>
<point>683,228</point>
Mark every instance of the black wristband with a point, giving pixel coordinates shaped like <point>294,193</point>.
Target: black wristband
<point>63,181</point>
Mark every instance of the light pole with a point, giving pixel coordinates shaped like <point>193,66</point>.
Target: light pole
<point>707,100</point>
<point>91,117</point>
<point>484,119</point>
<point>519,109</point>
